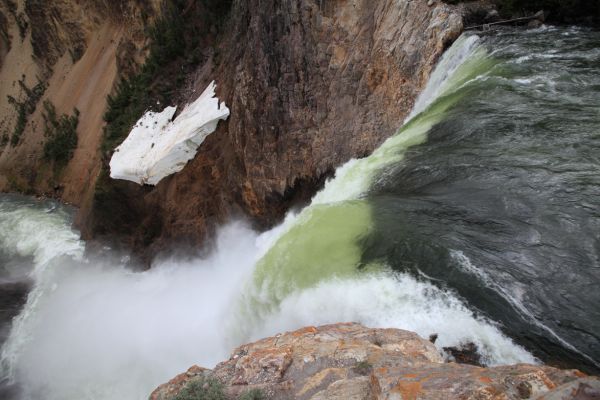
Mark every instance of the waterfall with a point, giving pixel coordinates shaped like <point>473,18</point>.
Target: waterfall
<point>92,329</point>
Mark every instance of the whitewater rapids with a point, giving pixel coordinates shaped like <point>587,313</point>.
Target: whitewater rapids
<point>93,329</point>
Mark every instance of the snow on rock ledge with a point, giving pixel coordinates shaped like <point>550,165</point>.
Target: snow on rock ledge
<point>157,147</point>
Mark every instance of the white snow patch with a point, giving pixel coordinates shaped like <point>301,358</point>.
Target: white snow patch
<point>157,147</point>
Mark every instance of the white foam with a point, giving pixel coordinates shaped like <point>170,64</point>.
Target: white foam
<point>96,330</point>
<point>523,81</point>
<point>523,59</point>
<point>26,230</point>
<point>441,78</point>
<point>157,147</point>
<point>395,301</point>
<point>512,295</point>
<point>29,231</point>
<point>92,329</point>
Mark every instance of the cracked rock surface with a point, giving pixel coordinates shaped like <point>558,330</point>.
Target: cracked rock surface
<point>350,361</point>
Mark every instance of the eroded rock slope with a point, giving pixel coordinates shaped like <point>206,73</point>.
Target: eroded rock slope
<point>68,54</point>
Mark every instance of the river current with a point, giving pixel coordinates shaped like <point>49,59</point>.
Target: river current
<point>479,221</point>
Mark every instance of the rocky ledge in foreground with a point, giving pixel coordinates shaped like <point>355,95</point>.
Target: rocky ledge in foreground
<point>350,361</point>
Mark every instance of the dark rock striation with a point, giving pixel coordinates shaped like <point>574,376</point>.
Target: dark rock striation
<point>70,54</point>
<point>310,84</point>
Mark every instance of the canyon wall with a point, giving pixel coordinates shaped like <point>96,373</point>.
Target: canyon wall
<point>69,54</point>
<point>310,84</point>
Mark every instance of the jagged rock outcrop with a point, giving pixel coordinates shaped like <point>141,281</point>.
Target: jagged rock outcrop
<point>310,84</point>
<point>350,361</point>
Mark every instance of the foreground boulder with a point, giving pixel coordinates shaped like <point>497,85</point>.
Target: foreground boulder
<point>350,361</point>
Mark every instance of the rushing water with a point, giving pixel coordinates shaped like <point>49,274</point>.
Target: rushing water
<point>503,202</point>
<point>478,221</point>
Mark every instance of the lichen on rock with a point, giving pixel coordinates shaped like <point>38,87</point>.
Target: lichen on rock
<point>350,361</point>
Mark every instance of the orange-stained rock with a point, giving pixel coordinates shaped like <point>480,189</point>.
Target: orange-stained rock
<point>350,361</point>
<point>171,388</point>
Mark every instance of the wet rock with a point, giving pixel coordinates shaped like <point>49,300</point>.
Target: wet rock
<point>540,16</point>
<point>467,353</point>
<point>492,16</point>
<point>534,23</point>
<point>350,361</point>
<point>478,12</point>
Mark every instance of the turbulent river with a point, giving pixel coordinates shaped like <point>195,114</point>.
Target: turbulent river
<point>479,221</point>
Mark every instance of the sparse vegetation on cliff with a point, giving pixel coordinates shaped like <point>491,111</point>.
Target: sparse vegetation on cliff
<point>559,11</point>
<point>61,135</point>
<point>179,40</point>
<point>212,389</point>
<point>135,95</point>
<point>20,19</point>
<point>4,36</point>
<point>253,394</point>
<point>25,108</point>
<point>202,389</point>
<point>174,52</point>
<point>363,368</point>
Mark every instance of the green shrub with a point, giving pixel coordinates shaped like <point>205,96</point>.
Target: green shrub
<point>202,389</point>
<point>61,135</point>
<point>77,52</point>
<point>20,19</point>
<point>174,51</point>
<point>253,394</point>
<point>25,108</point>
<point>363,368</point>
<point>178,45</point>
<point>22,24</point>
<point>141,92</point>
<point>4,139</point>
<point>21,120</point>
<point>560,11</point>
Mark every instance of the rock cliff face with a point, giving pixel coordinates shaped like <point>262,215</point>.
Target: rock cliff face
<point>69,53</point>
<point>350,361</point>
<point>310,84</point>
